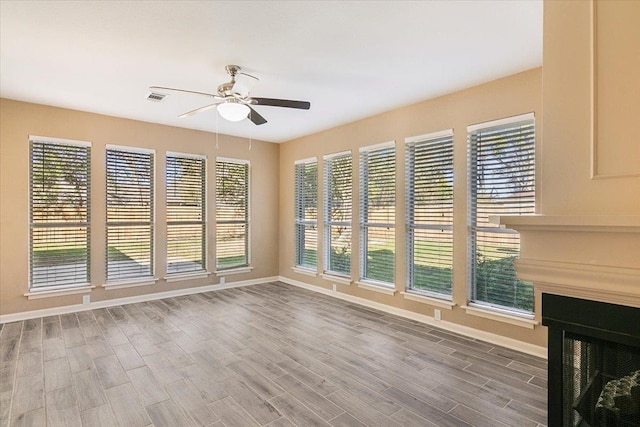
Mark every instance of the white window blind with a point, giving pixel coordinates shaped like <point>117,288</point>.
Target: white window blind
<point>429,209</point>
<point>502,182</point>
<point>60,202</point>
<point>130,214</point>
<point>377,213</point>
<point>306,213</point>
<point>232,214</point>
<point>337,214</point>
<point>186,209</point>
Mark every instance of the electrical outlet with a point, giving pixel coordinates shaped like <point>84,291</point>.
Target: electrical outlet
<point>223,280</point>
<point>437,314</point>
<point>86,299</point>
<point>335,288</point>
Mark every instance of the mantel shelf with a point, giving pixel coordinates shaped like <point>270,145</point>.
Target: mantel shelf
<point>590,257</point>
<point>586,223</point>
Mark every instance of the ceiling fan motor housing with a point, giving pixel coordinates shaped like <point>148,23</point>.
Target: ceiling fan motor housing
<point>225,89</point>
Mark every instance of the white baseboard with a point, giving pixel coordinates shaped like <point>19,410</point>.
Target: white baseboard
<point>16,317</point>
<point>453,327</point>
<point>489,337</point>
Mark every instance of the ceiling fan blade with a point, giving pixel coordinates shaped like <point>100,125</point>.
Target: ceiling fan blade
<point>256,118</point>
<point>302,105</point>
<point>170,89</point>
<point>198,110</point>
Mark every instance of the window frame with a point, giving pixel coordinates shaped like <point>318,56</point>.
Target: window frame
<point>300,222</point>
<point>143,279</point>
<point>33,287</point>
<point>365,225</point>
<point>328,223</point>
<point>411,143</point>
<point>246,221</point>
<point>202,222</point>
<point>473,229</point>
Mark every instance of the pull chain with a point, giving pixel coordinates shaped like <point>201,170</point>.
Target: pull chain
<point>217,144</point>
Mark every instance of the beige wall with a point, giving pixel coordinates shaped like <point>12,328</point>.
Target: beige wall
<point>19,120</point>
<point>517,94</point>
<point>591,109</point>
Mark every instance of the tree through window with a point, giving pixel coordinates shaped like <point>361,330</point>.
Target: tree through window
<point>232,213</point>
<point>60,212</point>
<point>502,182</point>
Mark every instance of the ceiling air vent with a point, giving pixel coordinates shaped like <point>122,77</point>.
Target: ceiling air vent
<point>155,97</point>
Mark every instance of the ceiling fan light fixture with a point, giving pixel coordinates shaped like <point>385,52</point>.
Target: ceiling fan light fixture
<point>233,111</point>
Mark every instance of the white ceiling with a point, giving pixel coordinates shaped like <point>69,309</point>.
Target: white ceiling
<point>350,59</point>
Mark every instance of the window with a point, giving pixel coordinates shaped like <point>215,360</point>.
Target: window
<point>232,213</point>
<point>130,213</point>
<point>429,201</point>
<point>59,212</point>
<point>337,214</point>
<point>502,182</point>
<point>306,214</point>
<point>377,213</point>
<point>186,210</point>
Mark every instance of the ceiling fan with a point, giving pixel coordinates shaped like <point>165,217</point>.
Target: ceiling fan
<point>233,101</point>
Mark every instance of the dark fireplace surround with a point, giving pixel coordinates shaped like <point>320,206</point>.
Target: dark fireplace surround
<point>594,362</point>
<point>586,270</point>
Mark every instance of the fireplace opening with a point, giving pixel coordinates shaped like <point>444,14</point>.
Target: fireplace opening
<point>594,363</point>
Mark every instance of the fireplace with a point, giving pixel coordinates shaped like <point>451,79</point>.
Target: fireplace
<point>586,275</point>
<point>594,362</point>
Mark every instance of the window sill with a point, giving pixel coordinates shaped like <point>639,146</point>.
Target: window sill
<point>176,277</point>
<point>376,288</point>
<point>512,319</point>
<point>129,284</point>
<point>230,271</point>
<point>49,293</point>
<point>305,271</point>
<point>424,299</point>
<point>338,279</point>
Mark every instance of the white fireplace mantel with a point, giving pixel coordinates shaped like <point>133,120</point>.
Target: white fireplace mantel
<point>589,257</point>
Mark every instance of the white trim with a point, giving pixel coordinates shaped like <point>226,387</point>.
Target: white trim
<point>335,278</point>
<point>25,315</point>
<point>154,214</point>
<point>595,223</point>
<point>231,271</point>
<point>176,277</point>
<point>205,218</point>
<point>188,155</point>
<point>59,141</point>
<point>248,231</point>
<point>232,160</point>
<point>305,161</point>
<point>49,293</point>
<point>376,288</point>
<point>338,154</point>
<point>424,299</point>
<point>379,146</point>
<point>305,271</point>
<point>129,283</point>
<point>467,331</point>
<point>429,136</point>
<point>132,150</point>
<point>501,316</point>
<point>442,324</point>
<point>583,280</point>
<point>501,122</point>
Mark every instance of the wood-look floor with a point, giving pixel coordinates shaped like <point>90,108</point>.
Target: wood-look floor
<point>267,354</point>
